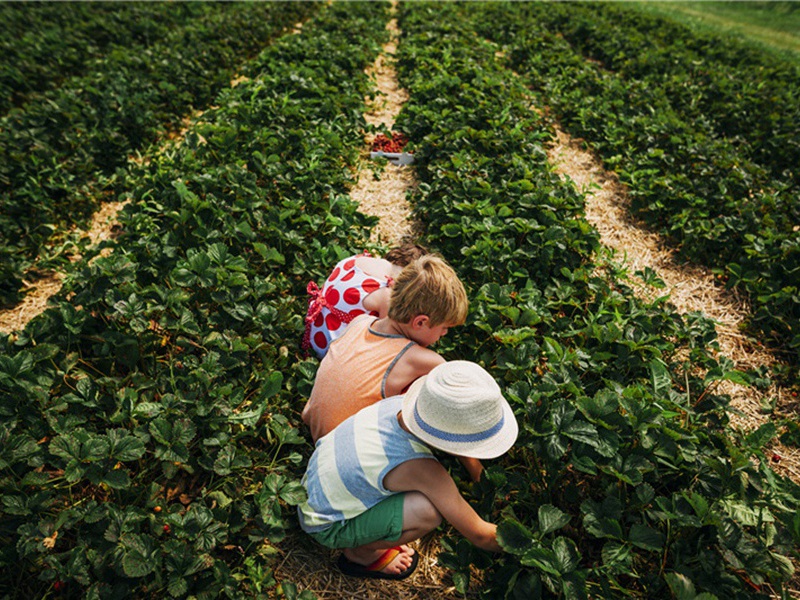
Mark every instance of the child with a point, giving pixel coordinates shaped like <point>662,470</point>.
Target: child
<point>378,358</point>
<point>373,484</point>
<point>357,285</point>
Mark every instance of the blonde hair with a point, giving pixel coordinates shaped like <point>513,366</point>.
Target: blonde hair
<point>429,286</point>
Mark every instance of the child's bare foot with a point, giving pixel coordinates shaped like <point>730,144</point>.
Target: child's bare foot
<point>392,563</point>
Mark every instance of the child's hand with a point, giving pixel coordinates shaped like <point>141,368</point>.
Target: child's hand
<point>473,467</point>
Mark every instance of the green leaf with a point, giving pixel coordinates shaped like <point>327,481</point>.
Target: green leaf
<point>551,518</point>
<point>183,431</point>
<point>289,590</point>
<point>541,558</point>
<point>681,586</point>
<point>248,418</point>
<point>660,378</point>
<point>271,386</point>
<point>147,409</point>
<point>293,493</point>
<point>744,514</point>
<point>161,430</point>
<point>177,586</point>
<point>229,460</point>
<point>269,254</point>
<point>645,493</point>
<point>567,555</point>
<point>582,431</point>
<point>584,464</point>
<point>124,446</point>
<point>452,230</point>
<point>461,582</point>
<point>117,479</point>
<point>762,436</point>
<point>734,376</point>
<point>646,537</point>
<point>616,554</point>
<point>138,559</point>
<point>699,504</point>
<point>15,505</point>
<point>514,537</point>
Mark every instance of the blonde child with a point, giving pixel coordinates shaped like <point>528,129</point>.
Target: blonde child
<point>377,358</point>
<point>357,285</point>
<point>373,484</point>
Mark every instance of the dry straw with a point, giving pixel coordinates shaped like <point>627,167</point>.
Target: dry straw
<point>691,288</point>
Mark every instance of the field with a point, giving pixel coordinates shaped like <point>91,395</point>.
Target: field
<point>775,25</point>
<point>152,445</point>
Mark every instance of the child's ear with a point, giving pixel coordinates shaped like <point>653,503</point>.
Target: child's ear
<point>420,321</point>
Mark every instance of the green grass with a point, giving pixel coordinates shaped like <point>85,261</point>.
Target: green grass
<point>775,25</point>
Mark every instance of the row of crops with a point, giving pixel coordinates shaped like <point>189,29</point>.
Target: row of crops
<point>42,44</point>
<point>148,444</point>
<point>150,436</point>
<point>704,131</point>
<point>625,479</point>
<point>60,151</point>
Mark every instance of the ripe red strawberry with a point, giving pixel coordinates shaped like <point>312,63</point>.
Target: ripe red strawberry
<point>393,143</point>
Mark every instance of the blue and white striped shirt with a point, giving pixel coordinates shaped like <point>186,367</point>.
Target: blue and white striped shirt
<point>345,474</point>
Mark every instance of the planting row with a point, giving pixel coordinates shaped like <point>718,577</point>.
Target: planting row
<point>735,91</point>
<point>54,153</point>
<point>704,191</point>
<point>626,480</point>
<point>40,52</point>
<point>148,423</point>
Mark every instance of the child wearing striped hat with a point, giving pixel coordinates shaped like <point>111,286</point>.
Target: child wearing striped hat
<point>357,285</point>
<point>377,358</point>
<point>373,484</point>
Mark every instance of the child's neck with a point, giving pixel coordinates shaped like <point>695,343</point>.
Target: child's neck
<point>390,327</point>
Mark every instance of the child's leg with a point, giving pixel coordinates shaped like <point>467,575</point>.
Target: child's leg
<point>419,517</point>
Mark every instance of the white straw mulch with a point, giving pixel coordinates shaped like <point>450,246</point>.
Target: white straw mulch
<point>691,288</point>
<point>380,192</point>
<point>383,193</point>
<point>311,567</point>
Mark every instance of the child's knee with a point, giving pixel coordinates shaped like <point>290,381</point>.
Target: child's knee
<point>421,511</point>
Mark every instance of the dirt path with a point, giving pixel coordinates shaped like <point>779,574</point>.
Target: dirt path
<point>385,196</point>
<point>304,562</point>
<point>690,287</point>
<point>102,228</point>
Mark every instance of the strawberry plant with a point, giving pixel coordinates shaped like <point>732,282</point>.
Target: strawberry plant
<point>626,480</point>
<point>54,43</point>
<point>708,192</point>
<point>150,416</point>
<point>60,153</point>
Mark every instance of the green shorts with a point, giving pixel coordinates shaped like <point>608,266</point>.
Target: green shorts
<point>384,521</point>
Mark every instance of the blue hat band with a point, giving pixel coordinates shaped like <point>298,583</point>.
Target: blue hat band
<point>459,438</point>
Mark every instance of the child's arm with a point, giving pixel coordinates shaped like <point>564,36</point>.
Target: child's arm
<point>379,301</point>
<point>428,476</point>
<point>473,467</point>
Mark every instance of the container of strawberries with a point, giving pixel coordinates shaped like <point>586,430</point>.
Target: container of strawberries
<point>391,147</point>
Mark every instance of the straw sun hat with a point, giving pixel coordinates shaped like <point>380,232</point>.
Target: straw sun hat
<point>459,408</point>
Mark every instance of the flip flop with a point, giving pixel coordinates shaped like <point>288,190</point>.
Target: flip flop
<point>373,571</point>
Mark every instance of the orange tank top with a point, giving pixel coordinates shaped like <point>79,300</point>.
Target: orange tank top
<point>352,375</point>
